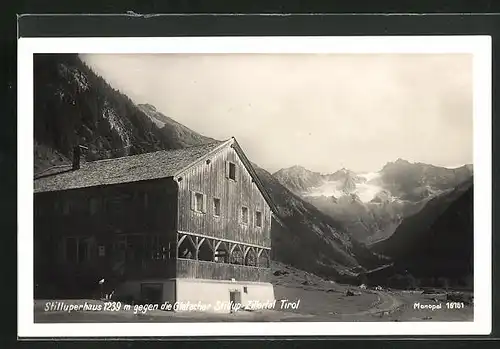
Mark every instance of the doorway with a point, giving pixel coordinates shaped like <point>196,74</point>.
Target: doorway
<point>152,293</point>
<point>234,300</point>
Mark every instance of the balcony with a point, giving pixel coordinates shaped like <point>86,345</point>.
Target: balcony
<point>149,269</point>
<point>196,269</point>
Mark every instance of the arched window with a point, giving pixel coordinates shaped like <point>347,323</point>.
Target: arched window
<point>205,250</point>
<point>251,257</point>
<point>221,252</point>
<point>237,255</point>
<point>263,260</point>
<point>187,248</point>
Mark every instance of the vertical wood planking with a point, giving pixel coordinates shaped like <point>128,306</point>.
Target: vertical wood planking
<point>217,271</point>
<point>211,180</point>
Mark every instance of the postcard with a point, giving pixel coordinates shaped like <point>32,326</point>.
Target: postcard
<point>282,186</point>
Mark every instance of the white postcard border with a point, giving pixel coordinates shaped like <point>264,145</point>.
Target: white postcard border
<point>479,46</point>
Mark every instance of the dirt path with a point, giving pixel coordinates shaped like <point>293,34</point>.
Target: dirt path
<point>387,303</point>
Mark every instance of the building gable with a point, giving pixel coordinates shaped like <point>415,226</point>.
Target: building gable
<point>148,166</point>
<point>245,165</point>
<point>219,196</point>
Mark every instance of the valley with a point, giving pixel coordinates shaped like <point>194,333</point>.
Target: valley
<point>372,205</point>
<point>335,228</point>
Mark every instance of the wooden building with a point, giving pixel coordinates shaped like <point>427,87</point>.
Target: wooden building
<point>187,225</point>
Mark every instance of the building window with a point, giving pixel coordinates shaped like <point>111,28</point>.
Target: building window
<point>231,170</point>
<point>77,250</point>
<point>66,207</point>
<point>57,207</point>
<point>102,251</point>
<point>216,207</point>
<point>244,215</point>
<point>83,251</point>
<point>116,204</point>
<point>198,202</point>
<point>71,250</point>
<point>94,206</point>
<point>258,219</point>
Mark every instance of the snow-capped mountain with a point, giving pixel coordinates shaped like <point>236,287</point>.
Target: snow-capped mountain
<point>366,186</point>
<point>343,182</point>
<point>372,205</point>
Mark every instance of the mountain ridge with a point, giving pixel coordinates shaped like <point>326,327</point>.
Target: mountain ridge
<point>435,245</point>
<point>94,114</point>
<point>372,205</point>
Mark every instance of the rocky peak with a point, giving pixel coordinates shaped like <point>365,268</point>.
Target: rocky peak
<point>348,177</point>
<point>298,178</point>
<point>349,185</point>
<point>399,163</point>
<point>402,161</point>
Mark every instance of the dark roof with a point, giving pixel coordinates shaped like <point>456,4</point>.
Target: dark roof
<point>132,168</point>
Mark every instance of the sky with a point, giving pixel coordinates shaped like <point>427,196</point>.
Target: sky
<point>320,111</point>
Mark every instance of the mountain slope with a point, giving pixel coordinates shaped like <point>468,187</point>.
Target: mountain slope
<point>171,129</point>
<point>438,240</point>
<point>312,240</point>
<point>371,205</point>
<point>298,179</point>
<point>367,222</point>
<point>415,181</point>
<point>74,106</point>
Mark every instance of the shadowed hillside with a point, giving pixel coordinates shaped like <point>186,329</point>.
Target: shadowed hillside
<point>438,241</point>
<point>414,181</point>
<point>310,239</point>
<point>75,106</point>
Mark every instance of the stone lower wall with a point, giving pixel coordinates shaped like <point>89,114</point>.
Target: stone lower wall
<point>197,295</point>
<point>215,295</point>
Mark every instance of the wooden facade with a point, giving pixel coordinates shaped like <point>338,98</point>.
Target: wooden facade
<point>208,221</point>
<point>114,232</point>
<point>217,271</point>
<point>211,179</point>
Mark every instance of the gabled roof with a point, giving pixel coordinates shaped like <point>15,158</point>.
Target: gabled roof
<point>132,168</point>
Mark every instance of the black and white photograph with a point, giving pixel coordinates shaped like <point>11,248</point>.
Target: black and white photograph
<point>266,187</point>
